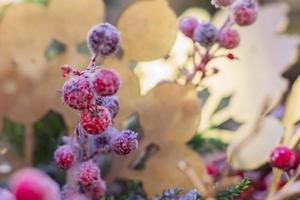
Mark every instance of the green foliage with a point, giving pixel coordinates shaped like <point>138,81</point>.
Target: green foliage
<point>41,2</point>
<point>14,133</point>
<point>206,145</point>
<point>54,49</point>
<point>47,133</point>
<point>203,95</point>
<point>233,192</point>
<point>224,103</point>
<point>229,124</point>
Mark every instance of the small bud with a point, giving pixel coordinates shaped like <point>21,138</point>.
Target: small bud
<point>229,39</point>
<point>245,12</point>
<point>205,34</point>
<point>187,26</point>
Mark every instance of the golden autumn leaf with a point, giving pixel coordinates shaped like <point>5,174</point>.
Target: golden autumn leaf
<point>145,35</point>
<point>27,31</point>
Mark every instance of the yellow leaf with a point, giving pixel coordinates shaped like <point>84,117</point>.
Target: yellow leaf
<point>148,29</point>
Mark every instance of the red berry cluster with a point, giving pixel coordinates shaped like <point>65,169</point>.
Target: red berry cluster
<point>92,93</point>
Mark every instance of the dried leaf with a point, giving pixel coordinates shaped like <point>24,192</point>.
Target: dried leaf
<point>145,35</point>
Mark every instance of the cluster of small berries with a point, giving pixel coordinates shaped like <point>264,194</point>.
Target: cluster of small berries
<point>206,34</point>
<point>92,93</point>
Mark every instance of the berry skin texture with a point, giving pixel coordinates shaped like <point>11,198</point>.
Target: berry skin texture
<point>229,39</point>
<point>88,174</point>
<point>30,183</point>
<point>221,3</point>
<point>282,157</point>
<point>6,195</point>
<point>95,120</point>
<point>106,82</point>
<point>103,39</point>
<point>77,93</point>
<point>187,26</point>
<point>206,34</point>
<point>125,142</point>
<point>65,156</point>
<point>98,190</point>
<point>245,12</point>
<point>111,103</point>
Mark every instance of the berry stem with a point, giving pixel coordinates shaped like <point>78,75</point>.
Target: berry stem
<point>92,63</point>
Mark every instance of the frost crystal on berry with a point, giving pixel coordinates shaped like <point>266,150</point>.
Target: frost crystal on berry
<point>106,82</point>
<point>65,156</point>
<point>88,174</point>
<point>221,3</point>
<point>245,12</point>
<point>282,157</point>
<point>187,26</point>
<point>77,93</point>
<point>103,39</point>
<point>229,39</point>
<point>95,120</point>
<point>111,103</point>
<point>206,34</point>
<point>125,142</point>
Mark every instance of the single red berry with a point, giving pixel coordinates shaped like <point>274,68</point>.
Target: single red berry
<point>125,142</point>
<point>77,93</point>
<point>212,169</point>
<point>88,174</point>
<point>230,56</point>
<point>187,26</point>
<point>245,12</point>
<point>205,34</point>
<point>97,190</point>
<point>111,103</point>
<point>106,82</point>
<point>229,39</point>
<point>65,156</point>
<point>103,39</point>
<point>221,3</point>
<point>95,120</point>
<point>282,157</point>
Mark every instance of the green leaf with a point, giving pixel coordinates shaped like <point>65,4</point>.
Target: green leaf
<point>206,145</point>
<point>223,104</point>
<point>229,124</point>
<point>82,48</point>
<point>47,133</point>
<point>14,133</point>
<point>54,49</point>
<point>234,191</point>
<point>203,95</point>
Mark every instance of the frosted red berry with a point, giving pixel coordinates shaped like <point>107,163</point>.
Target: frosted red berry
<point>125,143</point>
<point>77,93</point>
<point>65,156</point>
<point>282,157</point>
<point>88,174</point>
<point>229,39</point>
<point>111,103</point>
<point>245,12</point>
<point>97,190</point>
<point>221,3</point>
<point>103,39</point>
<point>187,26</point>
<point>106,82</point>
<point>95,120</point>
<point>205,34</point>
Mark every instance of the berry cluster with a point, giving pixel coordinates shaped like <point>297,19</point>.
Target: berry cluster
<point>92,93</point>
<point>206,35</point>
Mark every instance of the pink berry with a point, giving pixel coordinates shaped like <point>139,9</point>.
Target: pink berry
<point>6,195</point>
<point>206,34</point>
<point>125,142</point>
<point>106,82</point>
<point>282,157</point>
<point>98,190</point>
<point>29,184</point>
<point>245,12</point>
<point>95,120</point>
<point>103,39</point>
<point>212,170</point>
<point>229,39</point>
<point>65,156</point>
<point>77,93</point>
<point>88,174</point>
<point>187,26</point>
<point>221,3</point>
<point>111,103</point>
